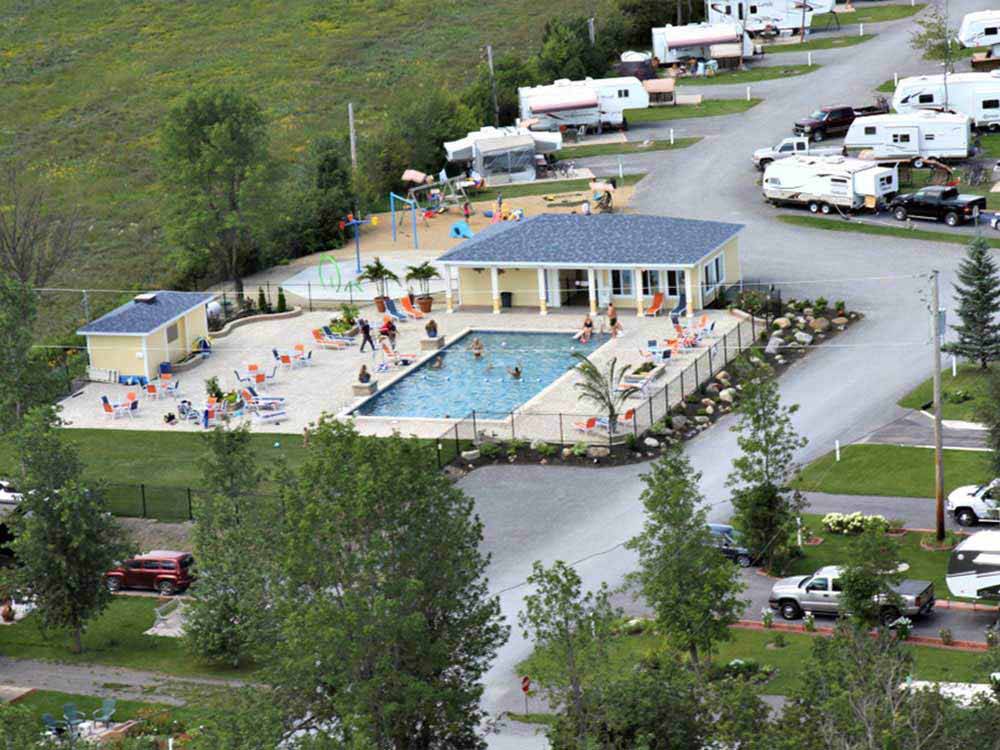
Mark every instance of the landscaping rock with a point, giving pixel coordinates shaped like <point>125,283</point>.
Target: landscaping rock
<point>598,451</point>
<point>803,338</point>
<point>820,324</point>
<point>840,321</point>
<point>706,402</point>
<point>651,442</point>
<point>472,455</point>
<point>567,453</point>
<point>808,312</point>
<point>782,323</point>
<point>728,396</point>
<point>710,410</point>
<point>678,422</point>
<point>722,375</point>
<point>774,345</point>
<point>702,419</point>
<point>712,389</point>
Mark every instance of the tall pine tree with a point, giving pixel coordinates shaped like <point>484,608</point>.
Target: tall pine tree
<point>978,292</point>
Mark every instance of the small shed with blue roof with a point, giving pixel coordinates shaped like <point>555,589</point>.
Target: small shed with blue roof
<point>129,343</point>
<point>558,260</point>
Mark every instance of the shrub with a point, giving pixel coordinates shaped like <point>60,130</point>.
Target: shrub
<point>580,449</point>
<point>809,622</point>
<point>643,368</point>
<point>262,302</point>
<point>514,446</point>
<point>853,523</point>
<point>212,388</point>
<point>946,636</point>
<point>767,617</point>
<point>957,397</point>
<point>349,313</point>
<point>903,626</point>
<point>545,450</point>
<point>840,306</point>
<point>489,450</point>
<point>631,441</point>
<point>991,637</point>
<point>779,640</point>
<point>751,301</point>
<point>282,304</point>
<point>693,398</point>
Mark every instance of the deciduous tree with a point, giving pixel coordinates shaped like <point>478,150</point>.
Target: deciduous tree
<point>691,587</point>
<point>978,293</point>
<point>24,380</point>
<point>934,35</point>
<point>870,572</point>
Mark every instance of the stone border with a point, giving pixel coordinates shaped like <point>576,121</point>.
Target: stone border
<point>239,322</point>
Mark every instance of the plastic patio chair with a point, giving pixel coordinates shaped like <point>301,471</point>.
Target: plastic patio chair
<point>103,714</point>
<point>72,716</point>
<point>51,725</point>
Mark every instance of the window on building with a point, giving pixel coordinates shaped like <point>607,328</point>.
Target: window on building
<point>869,130</point>
<point>991,104</point>
<point>715,273</point>
<point>929,137</point>
<point>990,31</point>
<point>650,282</point>
<point>675,280</point>
<point>753,9</point>
<point>925,99</point>
<point>171,333</point>
<point>621,283</point>
<point>729,10</point>
<point>900,137</point>
<point>623,93</point>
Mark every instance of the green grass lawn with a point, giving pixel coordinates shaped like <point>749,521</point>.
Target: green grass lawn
<point>52,702</point>
<point>970,381</point>
<point>990,145</point>
<point>756,73</point>
<point>547,188</point>
<point>830,42</point>
<point>888,87</point>
<point>892,470</point>
<point>114,638</point>
<point>924,565</point>
<point>839,225</point>
<point>707,108</point>
<point>631,147</point>
<point>873,14</point>
<point>791,661</point>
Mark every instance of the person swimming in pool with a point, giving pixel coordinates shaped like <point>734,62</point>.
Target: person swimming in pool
<point>477,348</point>
<point>613,323</point>
<point>515,371</point>
<point>587,330</point>
<point>437,363</point>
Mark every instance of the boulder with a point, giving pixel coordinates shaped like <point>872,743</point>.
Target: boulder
<point>820,324</point>
<point>678,422</point>
<point>808,312</point>
<point>707,402</point>
<point>803,338</point>
<point>567,453</point>
<point>782,323</point>
<point>774,345</point>
<point>722,375</point>
<point>710,410</point>
<point>472,455</point>
<point>598,451</point>
<point>712,389</point>
<point>651,442</point>
<point>701,419</point>
<point>728,396</point>
<point>840,321</point>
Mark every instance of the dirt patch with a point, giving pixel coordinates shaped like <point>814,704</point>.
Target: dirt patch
<point>148,533</point>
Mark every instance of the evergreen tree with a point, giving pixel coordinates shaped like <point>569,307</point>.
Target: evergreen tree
<point>989,414</point>
<point>978,292</point>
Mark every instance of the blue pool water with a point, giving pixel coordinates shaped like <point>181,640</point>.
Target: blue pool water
<point>465,383</point>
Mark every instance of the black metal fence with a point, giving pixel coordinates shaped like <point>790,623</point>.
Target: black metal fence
<point>167,503</point>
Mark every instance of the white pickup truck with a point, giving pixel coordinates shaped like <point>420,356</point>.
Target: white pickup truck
<point>975,503</point>
<point>789,147</point>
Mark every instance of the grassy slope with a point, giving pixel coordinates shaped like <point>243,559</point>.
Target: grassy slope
<point>757,73</point>
<point>613,149</point>
<point>830,42</point>
<point>116,637</point>
<point>892,470</point>
<point>839,225</point>
<point>970,380</point>
<point>86,85</point>
<point>707,108</point>
<point>866,14</point>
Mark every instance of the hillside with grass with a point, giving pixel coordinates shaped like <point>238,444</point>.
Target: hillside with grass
<point>86,85</point>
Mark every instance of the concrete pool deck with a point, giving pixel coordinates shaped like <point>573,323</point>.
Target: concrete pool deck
<point>327,387</point>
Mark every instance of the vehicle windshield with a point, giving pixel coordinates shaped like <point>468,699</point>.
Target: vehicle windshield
<point>805,581</point>
<point>818,115</point>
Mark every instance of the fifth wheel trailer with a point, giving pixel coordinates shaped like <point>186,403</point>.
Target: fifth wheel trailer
<point>916,136</point>
<point>976,95</point>
<point>974,567</point>
<point>766,16</point>
<point>828,183</point>
<point>592,102</point>
<point>675,43</point>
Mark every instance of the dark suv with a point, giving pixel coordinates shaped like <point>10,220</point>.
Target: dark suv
<point>727,540</point>
<point>160,570</point>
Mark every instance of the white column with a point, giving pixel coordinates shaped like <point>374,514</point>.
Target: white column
<point>640,308</point>
<point>495,286</point>
<point>592,290</point>
<point>541,292</point>
<point>449,295</point>
<point>689,291</point>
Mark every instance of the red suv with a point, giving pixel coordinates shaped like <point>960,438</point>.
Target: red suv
<point>161,570</point>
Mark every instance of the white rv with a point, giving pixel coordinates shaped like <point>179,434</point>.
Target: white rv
<point>674,43</point>
<point>974,567</point>
<point>915,135</point>
<point>771,16</point>
<point>464,148</point>
<point>592,102</point>
<point>980,29</point>
<point>976,95</point>
<point>828,183</point>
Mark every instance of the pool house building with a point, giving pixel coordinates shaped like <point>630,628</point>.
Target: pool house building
<point>649,263</point>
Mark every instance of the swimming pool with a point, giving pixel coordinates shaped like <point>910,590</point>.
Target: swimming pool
<point>465,383</point>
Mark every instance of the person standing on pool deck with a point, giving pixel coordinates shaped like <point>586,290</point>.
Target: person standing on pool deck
<point>613,323</point>
<point>366,334</point>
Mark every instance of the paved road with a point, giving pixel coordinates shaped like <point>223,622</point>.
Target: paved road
<point>845,389</point>
<point>917,428</point>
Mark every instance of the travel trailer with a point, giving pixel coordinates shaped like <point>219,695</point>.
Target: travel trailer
<point>915,135</point>
<point>980,29</point>
<point>675,43</point>
<point>592,102</point>
<point>974,567</point>
<point>827,183</point>
<point>766,16</point>
<point>976,95</point>
<point>464,148</point>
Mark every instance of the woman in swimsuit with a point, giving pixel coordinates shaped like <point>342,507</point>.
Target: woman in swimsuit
<point>587,330</point>
<point>477,348</point>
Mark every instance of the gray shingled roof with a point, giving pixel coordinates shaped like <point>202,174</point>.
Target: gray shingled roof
<point>146,317</point>
<point>598,240</point>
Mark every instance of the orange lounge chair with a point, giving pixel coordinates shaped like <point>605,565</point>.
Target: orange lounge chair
<point>657,306</point>
<point>324,343</point>
<point>589,426</point>
<point>400,360</point>
<point>409,309</point>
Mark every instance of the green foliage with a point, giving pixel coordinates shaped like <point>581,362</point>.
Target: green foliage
<point>545,450</point>
<point>868,576</point>
<point>631,441</point>
<point>978,293</point>
<point>990,416</point>
<point>935,37</point>
<point>422,274</point>
<point>691,587</point>
<point>642,15</point>
<point>384,620</point>
<point>263,304</point>
<point>20,728</point>
<point>349,313</point>
<point>65,540</point>
<point>603,389</point>
<point>212,388</point>
<point>380,275</point>
<point>580,449</point>
<point>574,629</point>
<point>515,445</point>
<point>510,72</point>
<point>25,379</point>
<point>489,450</point>
<point>821,304</point>
<point>217,170</point>
<point>764,506</point>
<point>282,303</point>
<point>251,720</point>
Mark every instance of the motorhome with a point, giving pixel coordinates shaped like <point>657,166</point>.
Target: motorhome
<point>700,40</point>
<point>915,135</point>
<point>829,183</point>
<point>976,95</point>
<point>981,29</point>
<point>766,16</point>
<point>974,567</point>
<point>592,102</point>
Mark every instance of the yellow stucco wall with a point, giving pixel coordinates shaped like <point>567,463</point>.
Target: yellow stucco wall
<point>732,250</point>
<point>196,323</point>
<point>478,290</point>
<point>117,353</point>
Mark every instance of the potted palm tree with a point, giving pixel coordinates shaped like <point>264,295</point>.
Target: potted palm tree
<point>604,389</point>
<point>423,274</point>
<point>377,273</point>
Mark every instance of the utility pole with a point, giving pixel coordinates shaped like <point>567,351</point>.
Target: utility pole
<point>947,53</point>
<point>493,86</point>
<point>354,176</point>
<point>936,326</point>
<point>802,33</point>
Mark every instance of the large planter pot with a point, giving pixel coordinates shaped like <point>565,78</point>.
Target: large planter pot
<point>425,303</point>
<point>380,304</point>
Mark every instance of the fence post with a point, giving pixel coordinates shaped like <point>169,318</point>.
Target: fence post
<point>635,422</point>
<point>437,445</point>
<point>268,284</point>
<point>512,436</point>
<point>309,289</point>
<point>711,367</point>
<point>190,508</point>
<point>753,329</point>
<point>697,378</point>
<point>562,440</point>
<point>650,412</point>
<point>475,431</point>
<point>458,445</point>
<point>142,492</point>
<point>682,384</point>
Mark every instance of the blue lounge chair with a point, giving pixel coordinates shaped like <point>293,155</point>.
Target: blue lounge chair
<point>393,311</point>
<point>336,336</point>
<point>103,714</point>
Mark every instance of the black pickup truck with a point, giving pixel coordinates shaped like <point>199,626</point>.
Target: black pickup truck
<point>827,121</point>
<point>939,203</point>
